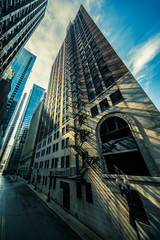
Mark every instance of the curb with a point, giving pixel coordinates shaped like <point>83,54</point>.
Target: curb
<point>79,230</point>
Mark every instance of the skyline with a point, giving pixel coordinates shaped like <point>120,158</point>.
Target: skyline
<point>134,37</point>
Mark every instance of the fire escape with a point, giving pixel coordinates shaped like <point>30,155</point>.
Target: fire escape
<point>80,130</point>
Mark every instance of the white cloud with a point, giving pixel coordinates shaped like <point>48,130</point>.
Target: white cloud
<point>144,53</point>
<point>106,34</point>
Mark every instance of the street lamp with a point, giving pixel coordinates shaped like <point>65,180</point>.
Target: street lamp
<point>124,186</point>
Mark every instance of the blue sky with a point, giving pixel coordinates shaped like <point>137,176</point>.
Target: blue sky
<point>132,28</point>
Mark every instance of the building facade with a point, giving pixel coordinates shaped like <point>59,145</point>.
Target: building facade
<point>11,133</point>
<point>33,100</point>
<point>22,67</point>
<point>18,21</point>
<point>5,87</point>
<point>98,150</point>
<point>27,157</point>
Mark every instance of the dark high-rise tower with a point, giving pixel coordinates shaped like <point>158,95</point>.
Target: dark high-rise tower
<point>19,19</point>
<point>98,130</point>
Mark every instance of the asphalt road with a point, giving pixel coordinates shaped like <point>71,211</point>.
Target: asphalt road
<point>23,216</point>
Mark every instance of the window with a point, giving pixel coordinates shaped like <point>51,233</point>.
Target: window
<point>89,86</point>
<point>58,134</point>
<point>54,147</point>
<point>57,146</point>
<point>63,130</point>
<point>84,63</point>
<point>62,162</point>
<point>99,90</point>
<point>91,96</point>
<point>94,111</point>
<point>88,193</point>
<point>97,54</point>
<point>56,162</point>
<point>44,143</point>
<point>67,128</point>
<point>49,150</point>
<point>109,82</point>
<point>116,96</point>
<point>87,76</point>
<point>67,162</point>
<point>55,136</point>
<point>63,144</point>
<point>137,207</point>
<point>67,117</point>
<point>50,139</point>
<point>52,166</point>
<point>86,70</point>
<point>104,70</point>
<point>93,70</point>
<point>104,105</point>
<point>46,181</point>
<point>43,153</point>
<point>43,180</point>
<point>95,48</point>
<point>47,164</point>
<point>96,79</point>
<point>92,43</point>
<point>54,183</point>
<point>79,190</point>
<point>91,62</point>
<point>67,142</point>
<point>100,62</point>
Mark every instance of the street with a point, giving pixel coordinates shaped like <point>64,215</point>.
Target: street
<point>25,217</point>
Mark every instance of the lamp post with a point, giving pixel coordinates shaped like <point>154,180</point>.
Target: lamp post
<point>124,186</point>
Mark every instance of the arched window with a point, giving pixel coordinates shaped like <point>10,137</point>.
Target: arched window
<point>120,150</point>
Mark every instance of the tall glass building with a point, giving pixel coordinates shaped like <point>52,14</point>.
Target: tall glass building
<point>22,67</point>
<point>35,95</point>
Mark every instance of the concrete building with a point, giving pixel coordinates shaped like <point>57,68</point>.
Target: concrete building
<point>27,157</point>
<point>98,149</point>
<point>18,21</point>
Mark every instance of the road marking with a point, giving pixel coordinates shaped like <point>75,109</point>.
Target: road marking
<point>3,220</point>
<point>3,228</point>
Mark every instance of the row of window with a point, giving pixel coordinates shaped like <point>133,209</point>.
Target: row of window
<point>53,163</point>
<point>52,184</point>
<point>115,97</point>
<point>56,136</point>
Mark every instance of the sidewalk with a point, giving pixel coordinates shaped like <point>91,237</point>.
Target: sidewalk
<point>81,230</point>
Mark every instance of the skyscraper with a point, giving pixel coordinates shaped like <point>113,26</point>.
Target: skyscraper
<point>35,95</point>
<point>19,19</point>
<point>27,157</point>
<point>99,150</point>
<point>22,66</point>
<point>7,147</point>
